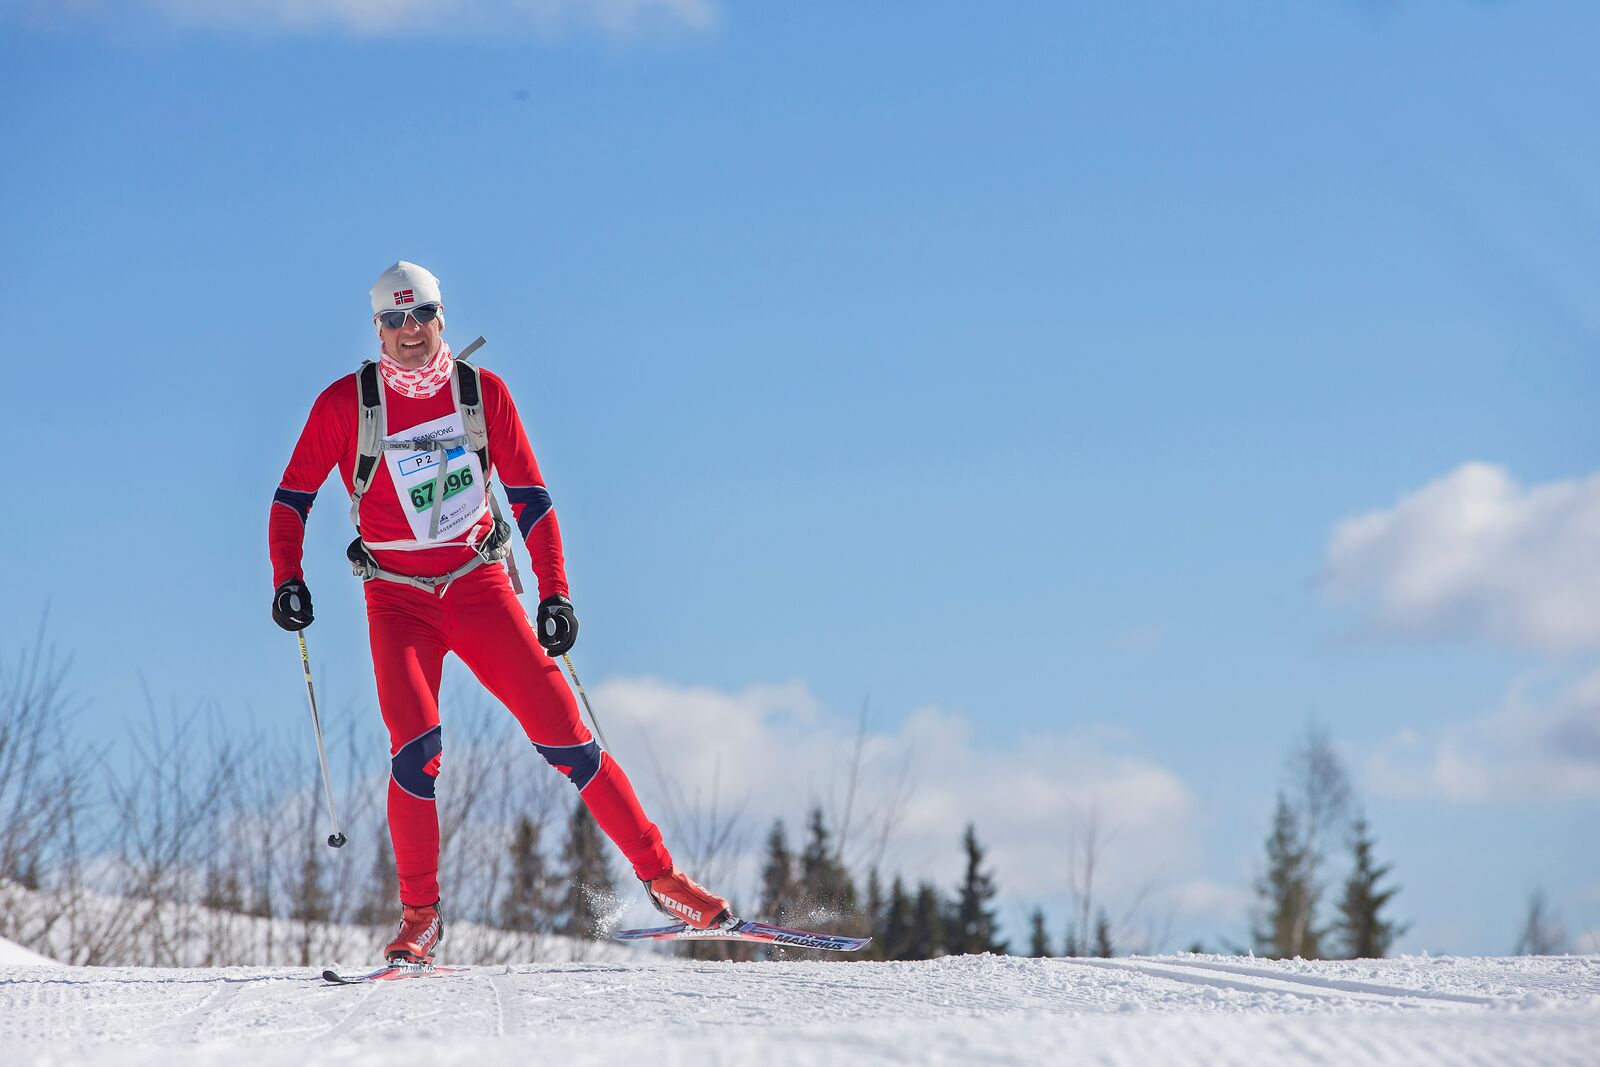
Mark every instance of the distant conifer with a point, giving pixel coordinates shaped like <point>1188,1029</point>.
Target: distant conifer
<point>972,922</point>
<point>310,897</point>
<point>826,892</point>
<point>1286,895</point>
<point>589,885</point>
<point>777,876</point>
<point>529,902</point>
<point>897,920</point>
<point>1038,936</point>
<point>380,900</point>
<point>872,916</point>
<point>1102,936</point>
<point>926,939</point>
<point>1361,927</point>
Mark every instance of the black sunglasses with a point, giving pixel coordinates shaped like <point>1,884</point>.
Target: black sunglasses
<point>423,313</point>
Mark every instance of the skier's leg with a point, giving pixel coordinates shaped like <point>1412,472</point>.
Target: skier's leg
<point>408,651</point>
<point>490,632</point>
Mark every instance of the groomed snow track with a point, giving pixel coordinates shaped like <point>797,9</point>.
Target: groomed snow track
<point>974,1009</point>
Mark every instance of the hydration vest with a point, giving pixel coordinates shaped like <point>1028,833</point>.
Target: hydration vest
<point>466,388</point>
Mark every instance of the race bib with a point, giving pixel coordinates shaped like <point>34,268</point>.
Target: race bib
<point>416,480</point>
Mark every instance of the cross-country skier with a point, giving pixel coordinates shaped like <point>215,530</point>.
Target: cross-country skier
<point>430,549</point>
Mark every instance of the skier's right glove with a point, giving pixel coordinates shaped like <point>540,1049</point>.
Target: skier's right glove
<point>291,605</point>
<point>556,624</point>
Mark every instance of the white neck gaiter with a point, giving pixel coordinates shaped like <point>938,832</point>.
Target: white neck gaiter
<point>421,383</point>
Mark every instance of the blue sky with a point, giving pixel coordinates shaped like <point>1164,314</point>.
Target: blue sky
<point>1011,368</point>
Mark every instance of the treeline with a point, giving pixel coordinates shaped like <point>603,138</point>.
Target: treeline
<point>1317,818</point>
<point>813,889</point>
<point>148,850</point>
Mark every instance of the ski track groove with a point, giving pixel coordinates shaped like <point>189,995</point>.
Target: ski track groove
<point>1340,984</point>
<point>364,994</point>
<point>186,1027</point>
<point>508,1014</point>
<point>1244,983</point>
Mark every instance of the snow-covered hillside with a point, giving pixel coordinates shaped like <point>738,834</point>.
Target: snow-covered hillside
<point>973,1009</point>
<point>13,954</point>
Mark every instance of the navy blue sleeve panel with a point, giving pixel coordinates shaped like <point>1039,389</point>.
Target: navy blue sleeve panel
<point>300,503</point>
<point>530,503</point>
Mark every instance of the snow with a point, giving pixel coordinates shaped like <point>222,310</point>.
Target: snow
<point>97,928</point>
<point>969,1009</point>
<point>14,955</point>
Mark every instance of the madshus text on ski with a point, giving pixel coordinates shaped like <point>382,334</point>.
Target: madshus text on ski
<point>415,435</point>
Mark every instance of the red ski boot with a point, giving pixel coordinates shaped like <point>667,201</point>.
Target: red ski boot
<point>421,931</point>
<point>676,895</point>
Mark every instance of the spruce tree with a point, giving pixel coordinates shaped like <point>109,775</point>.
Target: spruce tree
<point>777,876</point>
<point>873,916</point>
<point>826,889</point>
<point>589,882</point>
<point>529,898</point>
<point>310,897</point>
<point>927,938</point>
<point>223,891</point>
<point>1102,936</point>
<point>897,918</point>
<point>1361,927</point>
<point>972,927</point>
<point>380,900</point>
<point>1284,928</point>
<point>1038,936</point>
<point>1070,946</point>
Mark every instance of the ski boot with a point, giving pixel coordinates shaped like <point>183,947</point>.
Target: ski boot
<point>676,895</point>
<point>421,931</point>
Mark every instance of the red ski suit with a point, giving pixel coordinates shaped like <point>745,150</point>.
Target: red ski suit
<point>478,617</point>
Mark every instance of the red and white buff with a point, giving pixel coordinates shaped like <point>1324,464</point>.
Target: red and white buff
<point>423,382</point>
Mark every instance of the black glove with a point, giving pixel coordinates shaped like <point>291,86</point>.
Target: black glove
<point>556,625</point>
<point>291,605</point>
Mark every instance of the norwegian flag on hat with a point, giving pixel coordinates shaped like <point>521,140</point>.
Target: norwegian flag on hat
<point>405,284</point>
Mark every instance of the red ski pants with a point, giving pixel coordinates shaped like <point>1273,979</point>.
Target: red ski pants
<point>481,620</point>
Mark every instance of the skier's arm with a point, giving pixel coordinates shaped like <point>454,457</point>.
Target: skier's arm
<point>531,507</point>
<point>324,439</point>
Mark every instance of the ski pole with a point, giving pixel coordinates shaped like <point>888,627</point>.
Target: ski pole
<point>586,705</point>
<point>335,839</point>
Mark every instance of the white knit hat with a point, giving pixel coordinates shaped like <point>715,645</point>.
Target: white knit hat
<point>404,285</point>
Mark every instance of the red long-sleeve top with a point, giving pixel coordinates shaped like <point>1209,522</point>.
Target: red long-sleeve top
<point>329,438</point>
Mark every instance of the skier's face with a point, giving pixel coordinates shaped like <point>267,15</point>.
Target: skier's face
<point>413,345</point>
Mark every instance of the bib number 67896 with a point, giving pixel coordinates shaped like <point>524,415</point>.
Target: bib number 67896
<point>454,482</point>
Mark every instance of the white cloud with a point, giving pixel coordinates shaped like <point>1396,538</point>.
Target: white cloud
<point>1537,744</point>
<point>1475,555</point>
<point>773,752</point>
<point>388,18</point>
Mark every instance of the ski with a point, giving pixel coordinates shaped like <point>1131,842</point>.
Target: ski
<point>390,972</point>
<point>747,930</point>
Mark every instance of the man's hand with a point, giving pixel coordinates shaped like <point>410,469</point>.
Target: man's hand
<point>291,605</point>
<point>556,625</point>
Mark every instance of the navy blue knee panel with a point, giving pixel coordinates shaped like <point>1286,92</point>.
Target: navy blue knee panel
<point>578,762</point>
<point>415,766</point>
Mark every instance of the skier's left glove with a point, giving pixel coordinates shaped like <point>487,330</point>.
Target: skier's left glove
<point>557,625</point>
<point>291,605</point>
